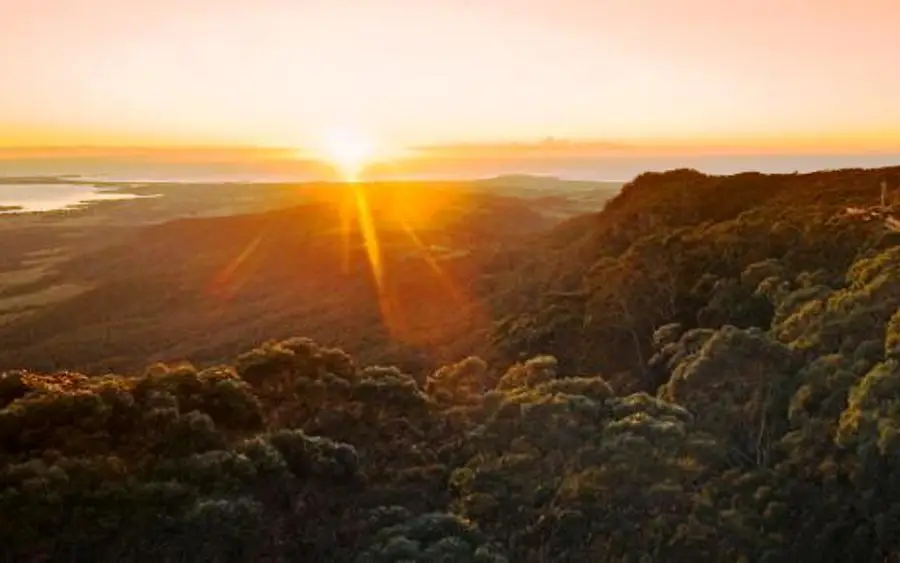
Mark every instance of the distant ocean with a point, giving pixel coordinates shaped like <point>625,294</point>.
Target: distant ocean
<point>30,198</point>
<point>42,196</point>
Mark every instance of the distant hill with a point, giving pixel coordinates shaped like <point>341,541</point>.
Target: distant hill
<point>545,183</point>
<point>556,197</point>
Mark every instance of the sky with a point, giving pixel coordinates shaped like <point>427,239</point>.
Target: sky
<point>410,73</point>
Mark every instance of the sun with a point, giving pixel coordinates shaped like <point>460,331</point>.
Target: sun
<point>350,151</point>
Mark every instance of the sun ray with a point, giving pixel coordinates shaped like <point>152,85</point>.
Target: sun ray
<point>432,263</point>
<point>373,250</point>
<point>222,285</point>
<point>350,152</point>
<point>346,219</point>
<point>370,236</point>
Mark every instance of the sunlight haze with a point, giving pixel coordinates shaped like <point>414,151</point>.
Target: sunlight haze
<point>282,73</point>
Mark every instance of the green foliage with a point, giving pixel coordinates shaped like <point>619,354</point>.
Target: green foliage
<point>738,385</point>
<point>562,462</point>
<point>749,410</point>
<point>430,538</point>
<point>173,465</point>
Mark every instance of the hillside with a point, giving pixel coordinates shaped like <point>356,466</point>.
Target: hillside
<point>675,247</point>
<point>112,296</point>
<point>703,370</point>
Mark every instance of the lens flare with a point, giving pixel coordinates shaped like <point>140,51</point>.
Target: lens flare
<point>349,151</point>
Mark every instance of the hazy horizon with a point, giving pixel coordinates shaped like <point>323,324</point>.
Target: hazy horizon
<point>138,168</point>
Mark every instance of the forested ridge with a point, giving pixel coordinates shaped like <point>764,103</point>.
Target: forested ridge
<point>708,369</point>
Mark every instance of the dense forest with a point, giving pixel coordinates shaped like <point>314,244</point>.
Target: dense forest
<point>707,369</point>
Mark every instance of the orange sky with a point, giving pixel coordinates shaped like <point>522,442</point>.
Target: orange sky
<point>741,73</point>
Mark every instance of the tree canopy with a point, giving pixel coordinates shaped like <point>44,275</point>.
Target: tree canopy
<point>706,370</point>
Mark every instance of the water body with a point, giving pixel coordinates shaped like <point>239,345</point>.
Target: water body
<point>31,198</point>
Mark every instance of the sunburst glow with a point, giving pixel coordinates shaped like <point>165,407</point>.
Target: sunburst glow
<point>369,208</point>
<point>349,151</point>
